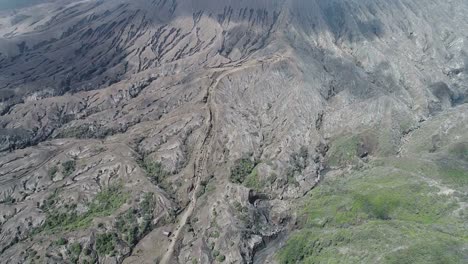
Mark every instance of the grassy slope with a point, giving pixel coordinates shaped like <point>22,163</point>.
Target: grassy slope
<point>384,214</point>
<point>105,203</point>
<point>395,210</point>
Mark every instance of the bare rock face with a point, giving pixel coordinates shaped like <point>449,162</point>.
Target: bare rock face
<point>183,131</point>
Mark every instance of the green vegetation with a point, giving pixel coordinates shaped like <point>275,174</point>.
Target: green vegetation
<point>75,248</point>
<point>298,161</point>
<point>343,151</point>
<point>253,181</point>
<point>128,228</point>
<point>155,170</point>
<point>52,172</point>
<point>449,172</point>
<point>437,251</point>
<point>221,258</point>
<point>136,222</point>
<point>242,168</point>
<point>206,187</point>
<point>67,219</point>
<point>455,175</point>
<point>242,213</point>
<point>105,243</point>
<point>157,174</point>
<point>61,242</point>
<point>31,255</point>
<point>373,243</point>
<point>75,251</point>
<point>214,234</point>
<point>77,132</point>
<point>218,256</point>
<point>8,199</point>
<point>68,167</point>
<point>201,189</point>
<point>388,213</point>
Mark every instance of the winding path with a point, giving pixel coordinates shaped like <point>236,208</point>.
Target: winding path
<point>204,147</point>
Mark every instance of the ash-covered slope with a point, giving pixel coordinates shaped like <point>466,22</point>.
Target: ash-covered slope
<point>191,131</point>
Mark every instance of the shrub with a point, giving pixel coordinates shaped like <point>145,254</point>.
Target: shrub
<point>242,168</point>
<point>299,160</point>
<point>52,172</point>
<point>221,258</point>
<point>61,241</point>
<point>105,243</point>
<point>155,171</point>
<point>75,249</point>
<point>253,181</point>
<point>68,167</point>
<point>87,251</point>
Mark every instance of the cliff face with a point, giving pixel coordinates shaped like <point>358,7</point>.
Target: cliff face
<point>194,131</point>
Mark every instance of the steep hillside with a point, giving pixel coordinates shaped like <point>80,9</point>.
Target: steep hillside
<point>183,131</point>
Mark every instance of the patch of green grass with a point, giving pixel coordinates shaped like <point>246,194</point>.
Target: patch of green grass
<point>241,169</point>
<point>343,151</point>
<point>253,181</point>
<point>442,250</point>
<point>379,193</point>
<point>61,219</point>
<point>454,175</point>
<point>380,215</point>
<point>373,242</point>
<point>108,200</point>
<point>387,145</point>
<point>449,172</point>
<point>378,205</point>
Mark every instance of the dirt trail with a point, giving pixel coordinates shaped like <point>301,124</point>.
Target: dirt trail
<point>204,146</point>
